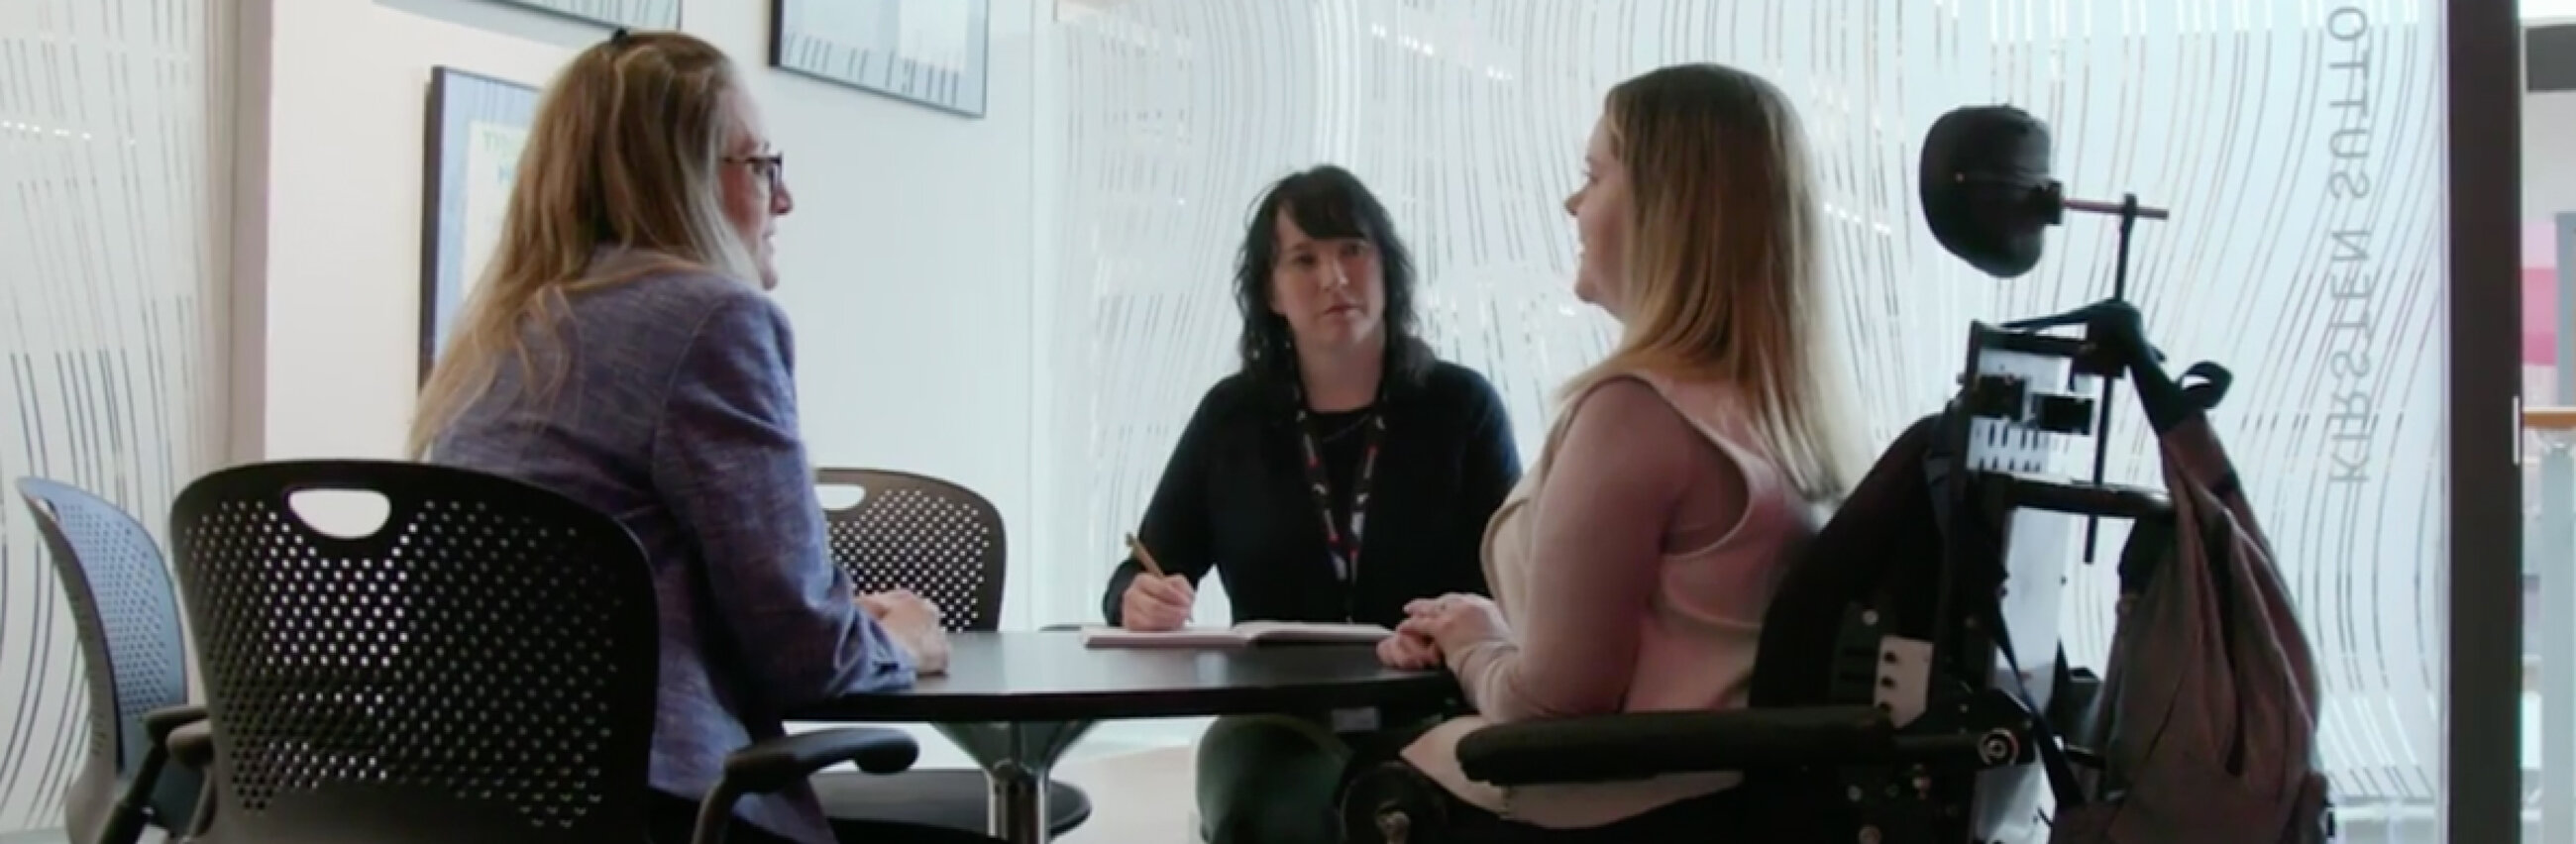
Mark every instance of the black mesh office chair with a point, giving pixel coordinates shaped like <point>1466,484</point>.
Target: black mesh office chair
<point>945,543</point>
<point>908,531</point>
<point>478,667</point>
<point>126,615</point>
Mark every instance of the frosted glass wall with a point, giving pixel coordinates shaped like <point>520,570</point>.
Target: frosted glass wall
<point>2298,144</point>
<point>113,132</point>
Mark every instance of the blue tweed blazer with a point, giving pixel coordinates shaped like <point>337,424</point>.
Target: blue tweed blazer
<point>676,414</point>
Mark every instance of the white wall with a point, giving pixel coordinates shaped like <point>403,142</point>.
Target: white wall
<point>907,265</point>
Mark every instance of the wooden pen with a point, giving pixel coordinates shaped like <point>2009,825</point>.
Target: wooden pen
<point>1143,556</point>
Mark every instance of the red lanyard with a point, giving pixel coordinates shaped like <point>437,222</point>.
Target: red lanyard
<point>1344,546</point>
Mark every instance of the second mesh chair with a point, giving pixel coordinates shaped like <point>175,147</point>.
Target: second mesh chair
<point>478,666</point>
<point>916,532</point>
<point>945,543</point>
<point>127,617</point>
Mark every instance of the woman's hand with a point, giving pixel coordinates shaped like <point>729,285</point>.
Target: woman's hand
<point>928,647</point>
<point>899,604</point>
<point>1455,621</point>
<point>1155,603</point>
<point>914,623</point>
<point>1407,652</point>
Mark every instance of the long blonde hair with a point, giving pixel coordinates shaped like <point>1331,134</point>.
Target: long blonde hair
<point>1725,280</point>
<point>624,152</point>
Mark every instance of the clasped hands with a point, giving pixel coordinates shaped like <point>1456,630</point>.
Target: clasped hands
<point>1433,627</point>
<point>914,623</point>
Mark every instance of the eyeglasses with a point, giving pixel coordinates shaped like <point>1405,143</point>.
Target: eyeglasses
<point>772,167</point>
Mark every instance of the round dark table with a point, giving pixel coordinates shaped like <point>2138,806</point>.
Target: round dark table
<point>1015,701</point>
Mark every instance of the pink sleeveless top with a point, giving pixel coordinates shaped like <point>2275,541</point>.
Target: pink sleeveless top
<point>1696,644</point>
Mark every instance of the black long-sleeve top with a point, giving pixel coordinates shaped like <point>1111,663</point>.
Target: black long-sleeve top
<point>1234,498</point>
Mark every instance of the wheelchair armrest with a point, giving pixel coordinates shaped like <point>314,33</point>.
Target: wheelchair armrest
<point>1638,745</point>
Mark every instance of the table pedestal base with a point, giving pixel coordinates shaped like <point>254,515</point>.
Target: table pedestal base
<point>1017,759</point>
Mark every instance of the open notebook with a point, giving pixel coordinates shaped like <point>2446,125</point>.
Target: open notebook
<point>1241,635</point>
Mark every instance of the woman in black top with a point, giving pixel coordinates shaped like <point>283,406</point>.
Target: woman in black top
<point>1342,473</point>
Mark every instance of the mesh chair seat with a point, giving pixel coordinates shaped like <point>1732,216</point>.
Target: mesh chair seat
<point>479,666</point>
<point>482,664</point>
<point>945,543</point>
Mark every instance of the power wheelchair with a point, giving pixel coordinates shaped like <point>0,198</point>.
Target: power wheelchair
<point>1910,687</point>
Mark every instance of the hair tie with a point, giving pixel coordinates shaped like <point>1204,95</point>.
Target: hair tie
<point>618,38</point>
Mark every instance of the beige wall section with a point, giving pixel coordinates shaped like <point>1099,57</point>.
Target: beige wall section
<point>910,243</point>
<point>907,266</point>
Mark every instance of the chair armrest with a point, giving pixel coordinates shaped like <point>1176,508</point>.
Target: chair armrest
<point>770,765</point>
<point>193,745</point>
<point>159,723</point>
<point>1634,746</point>
<point>175,732</point>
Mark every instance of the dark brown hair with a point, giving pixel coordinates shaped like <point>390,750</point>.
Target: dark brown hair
<point>1327,203</point>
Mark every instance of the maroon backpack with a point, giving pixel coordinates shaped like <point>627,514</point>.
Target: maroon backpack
<point>2207,722</point>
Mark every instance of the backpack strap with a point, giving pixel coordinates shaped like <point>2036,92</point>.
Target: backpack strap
<point>2206,384</point>
<point>1938,466</point>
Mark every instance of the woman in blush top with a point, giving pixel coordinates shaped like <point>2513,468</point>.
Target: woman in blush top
<point>1632,566</point>
<point>621,350</point>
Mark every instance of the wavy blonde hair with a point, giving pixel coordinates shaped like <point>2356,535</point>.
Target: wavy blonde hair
<point>624,152</point>
<point>1725,279</point>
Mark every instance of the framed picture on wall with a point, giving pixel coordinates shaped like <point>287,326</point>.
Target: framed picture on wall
<point>930,52</point>
<point>639,14</point>
<point>476,126</point>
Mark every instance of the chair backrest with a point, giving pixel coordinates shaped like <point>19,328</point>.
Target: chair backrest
<point>1876,612</point>
<point>126,615</point>
<point>938,539</point>
<point>1873,571</point>
<point>1934,594</point>
<point>478,666</point>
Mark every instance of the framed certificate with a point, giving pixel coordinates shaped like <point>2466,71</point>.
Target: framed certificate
<point>638,14</point>
<point>476,126</point>
<point>930,52</point>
